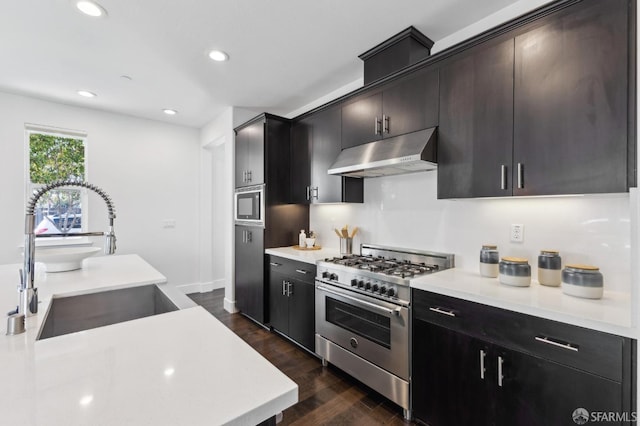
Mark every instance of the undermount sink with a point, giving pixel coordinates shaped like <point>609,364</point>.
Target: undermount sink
<point>69,314</point>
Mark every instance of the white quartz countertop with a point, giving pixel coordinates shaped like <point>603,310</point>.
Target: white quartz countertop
<point>182,367</point>
<point>611,314</point>
<point>307,256</point>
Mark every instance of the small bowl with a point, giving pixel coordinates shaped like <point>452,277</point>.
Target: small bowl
<point>62,259</point>
<point>310,242</point>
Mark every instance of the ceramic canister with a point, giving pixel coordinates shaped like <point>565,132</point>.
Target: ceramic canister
<point>489,260</point>
<point>515,271</point>
<point>549,268</point>
<point>582,281</point>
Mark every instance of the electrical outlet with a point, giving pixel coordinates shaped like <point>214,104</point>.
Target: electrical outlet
<point>517,233</point>
<point>169,223</point>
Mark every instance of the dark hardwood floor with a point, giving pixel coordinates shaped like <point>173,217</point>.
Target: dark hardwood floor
<point>326,396</point>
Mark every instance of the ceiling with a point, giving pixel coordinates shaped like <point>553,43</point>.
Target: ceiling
<point>283,53</point>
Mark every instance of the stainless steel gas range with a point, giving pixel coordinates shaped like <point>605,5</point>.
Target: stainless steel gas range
<point>363,314</point>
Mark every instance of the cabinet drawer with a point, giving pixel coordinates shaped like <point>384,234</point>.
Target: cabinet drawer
<point>302,271</point>
<point>593,351</point>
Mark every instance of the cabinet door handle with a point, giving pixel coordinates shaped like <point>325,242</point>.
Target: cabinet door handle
<point>249,236</point>
<point>244,236</point>
<point>275,264</point>
<point>289,289</point>
<point>377,124</point>
<point>562,345</point>
<point>385,121</point>
<point>284,285</point>
<point>503,177</point>
<point>520,175</point>
<point>308,193</point>
<point>483,354</point>
<point>249,179</point>
<point>442,311</point>
<point>314,192</point>
<point>302,271</point>
<point>500,376</point>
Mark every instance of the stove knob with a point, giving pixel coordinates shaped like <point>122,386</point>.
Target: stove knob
<point>360,284</point>
<point>325,274</point>
<point>354,282</point>
<point>367,286</point>
<point>383,290</point>
<point>391,292</point>
<point>333,277</point>
<point>376,287</point>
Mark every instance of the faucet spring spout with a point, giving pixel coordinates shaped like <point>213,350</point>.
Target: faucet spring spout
<point>28,293</point>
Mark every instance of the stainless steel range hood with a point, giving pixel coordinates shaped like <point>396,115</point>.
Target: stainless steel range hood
<point>413,152</point>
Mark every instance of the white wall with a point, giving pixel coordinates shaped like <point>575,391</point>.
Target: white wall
<point>216,203</point>
<point>147,168</point>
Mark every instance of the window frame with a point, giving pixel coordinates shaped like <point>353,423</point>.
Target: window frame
<point>29,187</point>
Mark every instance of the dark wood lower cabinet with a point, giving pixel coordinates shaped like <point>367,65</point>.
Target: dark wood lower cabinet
<point>278,302</point>
<point>468,369</point>
<point>535,391</point>
<point>249,267</point>
<point>447,386</point>
<point>292,300</point>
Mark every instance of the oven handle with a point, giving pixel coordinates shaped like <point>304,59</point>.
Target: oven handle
<point>387,311</point>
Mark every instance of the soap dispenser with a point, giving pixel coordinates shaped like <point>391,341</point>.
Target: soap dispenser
<point>302,239</point>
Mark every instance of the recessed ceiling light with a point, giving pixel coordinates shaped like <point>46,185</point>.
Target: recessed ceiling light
<point>86,94</point>
<point>91,8</point>
<point>218,56</point>
<point>170,111</point>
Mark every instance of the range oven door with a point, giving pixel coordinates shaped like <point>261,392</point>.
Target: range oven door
<point>373,329</point>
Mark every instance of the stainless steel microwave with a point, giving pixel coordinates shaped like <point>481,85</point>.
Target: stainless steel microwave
<point>249,205</point>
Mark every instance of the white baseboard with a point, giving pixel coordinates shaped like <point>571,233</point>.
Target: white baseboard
<point>201,287</point>
<point>230,306</point>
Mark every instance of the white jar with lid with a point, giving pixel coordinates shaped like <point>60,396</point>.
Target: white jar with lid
<point>549,268</point>
<point>582,281</point>
<point>515,271</point>
<point>489,259</point>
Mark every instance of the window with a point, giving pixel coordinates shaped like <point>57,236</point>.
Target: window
<point>54,156</point>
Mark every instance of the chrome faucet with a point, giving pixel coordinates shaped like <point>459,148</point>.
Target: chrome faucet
<point>28,293</point>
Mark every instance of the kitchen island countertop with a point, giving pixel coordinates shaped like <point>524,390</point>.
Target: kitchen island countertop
<point>611,314</point>
<point>182,367</point>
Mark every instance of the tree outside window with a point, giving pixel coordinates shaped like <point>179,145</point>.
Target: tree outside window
<point>54,157</point>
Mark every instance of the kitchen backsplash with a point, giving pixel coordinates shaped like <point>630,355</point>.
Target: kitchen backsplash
<point>404,211</point>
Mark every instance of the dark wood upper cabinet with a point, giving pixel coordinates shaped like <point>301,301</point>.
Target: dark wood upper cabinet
<point>250,154</point>
<point>301,160</point>
<point>316,143</point>
<point>570,106</point>
<point>544,109</point>
<point>475,133</point>
<point>362,120</point>
<point>411,103</point>
<point>405,105</point>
